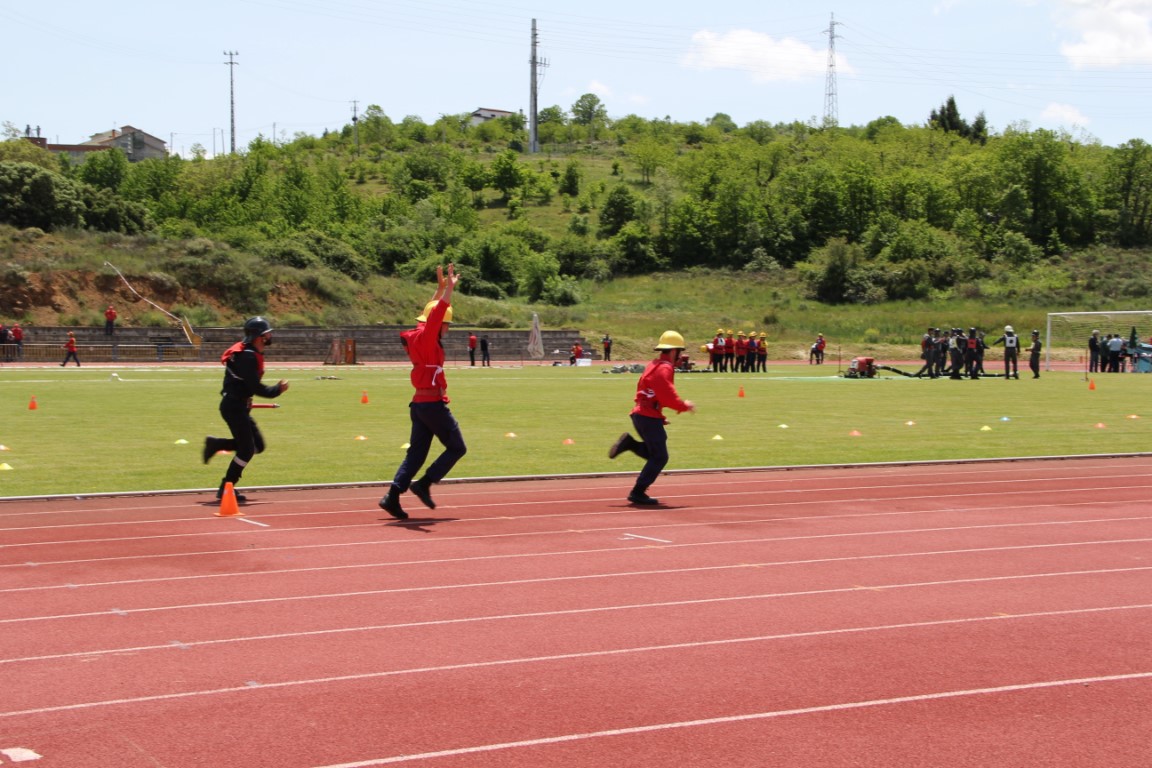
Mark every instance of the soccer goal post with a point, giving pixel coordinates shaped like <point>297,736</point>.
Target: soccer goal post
<point>1073,329</point>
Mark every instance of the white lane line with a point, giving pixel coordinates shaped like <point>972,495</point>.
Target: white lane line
<point>645,538</point>
<point>254,522</point>
<point>551,658</point>
<point>845,706</point>
<point>582,552</point>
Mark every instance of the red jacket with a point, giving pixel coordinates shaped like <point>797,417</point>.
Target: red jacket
<point>655,391</point>
<point>427,356</point>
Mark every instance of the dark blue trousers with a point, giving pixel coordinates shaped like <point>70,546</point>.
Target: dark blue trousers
<point>655,449</point>
<point>430,420</point>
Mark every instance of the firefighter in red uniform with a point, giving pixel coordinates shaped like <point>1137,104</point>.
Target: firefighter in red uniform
<point>762,353</point>
<point>429,407</point>
<point>654,391</point>
<point>741,351</point>
<point>243,371</point>
<point>730,353</point>
<point>70,350</point>
<point>717,353</point>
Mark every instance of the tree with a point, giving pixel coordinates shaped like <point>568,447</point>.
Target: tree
<point>619,209</point>
<point>31,196</point>
<point>507,173</point>
<point>106,169</point>
<point>589,112</point>
<point>649,155</point>
<point>722,122</point>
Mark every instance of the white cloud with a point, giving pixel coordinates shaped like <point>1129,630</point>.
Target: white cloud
<point>1064,115</point>
<point>1111,33</point>
<point>599,88</point>
<point>763,57</point>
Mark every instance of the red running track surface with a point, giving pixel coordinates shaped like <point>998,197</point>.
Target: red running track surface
<point>953,615</point>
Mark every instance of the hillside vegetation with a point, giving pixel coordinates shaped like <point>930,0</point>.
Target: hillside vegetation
<point>866,233</point>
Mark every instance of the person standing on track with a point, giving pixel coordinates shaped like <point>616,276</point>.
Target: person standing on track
<point>429,407</point>
<point>654,391</point>
<point>243,370</point>
<point>70,350</point>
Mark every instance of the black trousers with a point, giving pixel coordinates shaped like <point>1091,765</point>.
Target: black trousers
<point>246,442</point>
<point>654,450</point>
<point>430,420</point>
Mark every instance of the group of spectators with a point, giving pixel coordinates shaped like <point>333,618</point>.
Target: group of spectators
<point>1109,354</point>
<point>960,355</point>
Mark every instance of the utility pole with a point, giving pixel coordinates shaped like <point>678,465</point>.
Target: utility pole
<point>535,65</point>
<point>232,91</point>
<point>831,118</point>
<point>355,127</point>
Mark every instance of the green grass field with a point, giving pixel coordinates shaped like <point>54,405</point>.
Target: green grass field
<point>92,433</point>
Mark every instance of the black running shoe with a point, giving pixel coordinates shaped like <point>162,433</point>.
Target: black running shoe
<point>391,505</point>
<point>623,443</point>
<point>209,448</point>
<point>638,497</point>
<point>422,492</point>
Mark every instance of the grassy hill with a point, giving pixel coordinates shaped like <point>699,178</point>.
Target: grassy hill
<point>62,279</point>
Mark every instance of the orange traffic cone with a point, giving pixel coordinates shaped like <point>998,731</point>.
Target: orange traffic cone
<point>364,397</point>
<point>1091,384</point>
<point>741,392</point>
<point>32,404</point>
<point>228,505</point>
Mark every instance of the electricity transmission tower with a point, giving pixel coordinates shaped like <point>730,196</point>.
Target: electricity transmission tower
<point>831,118</point>
<point>232,91</point>
<point>535,64</point>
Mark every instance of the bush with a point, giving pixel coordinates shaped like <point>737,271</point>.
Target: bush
<point>493,321</point>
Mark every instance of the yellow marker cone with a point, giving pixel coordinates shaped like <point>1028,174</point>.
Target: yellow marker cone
<point>510,434</point>
<point>181,441</point>
<point>6,448</point>
<point>717,437</point>
<point>359,437</point>
<point>985,428</point>
<point>405,446</point>
<point>1133,416</point>
<point>228,505</point>
<point>783,426</point>
<point>909,423</point>
<point>5,467</point>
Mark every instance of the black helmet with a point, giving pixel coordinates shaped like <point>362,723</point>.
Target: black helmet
<point>256,326</point>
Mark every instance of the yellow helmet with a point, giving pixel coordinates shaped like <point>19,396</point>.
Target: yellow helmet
<point>670,340</point>
<point>428,310</point>
<point>720,330</point>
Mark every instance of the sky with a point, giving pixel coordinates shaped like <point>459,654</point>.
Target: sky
<point>74,69</point>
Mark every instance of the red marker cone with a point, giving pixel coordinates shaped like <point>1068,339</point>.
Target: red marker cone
<point>741,392</point>
<point>1091,384</point>
<point>364,397</point>
<point>32,404</point>
<point>228,505</point>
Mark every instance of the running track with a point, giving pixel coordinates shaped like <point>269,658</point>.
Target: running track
<point>994,614</point>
